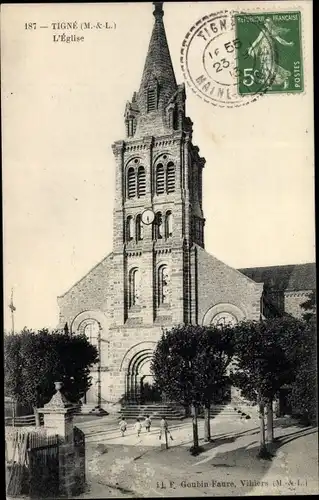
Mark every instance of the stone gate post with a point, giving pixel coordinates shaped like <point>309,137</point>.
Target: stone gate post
<point>58,420</point>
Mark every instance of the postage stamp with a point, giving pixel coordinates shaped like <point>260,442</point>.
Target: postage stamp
<point>271,53</point>
<point>230,58</point>
<point>209,55</point>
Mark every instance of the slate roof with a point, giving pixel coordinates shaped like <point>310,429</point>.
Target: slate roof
<point>158,63</point>
<point>293,277</point>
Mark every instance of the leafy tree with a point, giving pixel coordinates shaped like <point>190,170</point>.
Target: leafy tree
<point>303,396</point>
<point>34,361</point>
<point>213,357</point>
<point>189,364</point>
<point>266,354</point>
<point>309,306</point>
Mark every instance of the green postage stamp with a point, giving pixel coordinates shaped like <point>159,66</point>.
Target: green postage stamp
<point>270,59</point>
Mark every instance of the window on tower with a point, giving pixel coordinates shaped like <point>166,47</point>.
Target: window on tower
<point>158,226</point>
<point>151,99</point>
<point>163,288</point>
<point>134,285</point>
<point>160,185</point>
<point>131,183</point>
<point>170,178</point>
<point>139,228</point>
<point>130,127</point>
<point>141,182</point>
<point>129,228</point>
<point>168,224</point>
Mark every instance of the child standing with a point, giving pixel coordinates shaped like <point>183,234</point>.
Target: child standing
<point>147,423</point>
<point>123,426</point>
<point>138,427</point>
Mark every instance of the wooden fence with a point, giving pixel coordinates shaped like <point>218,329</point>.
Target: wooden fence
<point>43,466</point>
<point>31,457</point>
<point>24,421</point>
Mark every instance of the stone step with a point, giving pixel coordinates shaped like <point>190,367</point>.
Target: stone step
<point>156,411</point>
<point>90,408</point>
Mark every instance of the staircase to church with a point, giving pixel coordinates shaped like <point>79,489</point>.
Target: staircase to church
<point>173,411</point>
<point>170,411</point>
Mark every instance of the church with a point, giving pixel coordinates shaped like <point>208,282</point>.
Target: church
<point>159,274</point>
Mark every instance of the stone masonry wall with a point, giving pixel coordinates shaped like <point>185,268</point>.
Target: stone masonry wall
<point>219,283</point>
<point>293,301</point>
<point>91,292</point>
<point>126,343</point>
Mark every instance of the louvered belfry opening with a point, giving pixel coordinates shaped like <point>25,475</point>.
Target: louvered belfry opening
<point>151,99</point>
<point>160,185</point>
<point>141,182</point>
<point>131,183</point>
<point>170,178</point>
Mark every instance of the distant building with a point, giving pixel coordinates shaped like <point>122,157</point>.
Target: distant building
<point>285,287</point>
<point>159,274</point>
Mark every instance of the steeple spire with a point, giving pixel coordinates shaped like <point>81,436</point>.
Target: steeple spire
<point>158,68</point>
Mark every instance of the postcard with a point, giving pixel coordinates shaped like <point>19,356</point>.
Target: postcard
<point>159,249</point>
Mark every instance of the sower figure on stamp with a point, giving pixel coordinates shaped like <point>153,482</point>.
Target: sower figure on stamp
<point>264,48</point>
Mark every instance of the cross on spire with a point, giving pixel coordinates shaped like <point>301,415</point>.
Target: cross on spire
<point>158,11</point>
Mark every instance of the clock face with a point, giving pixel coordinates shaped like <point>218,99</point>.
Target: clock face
<point>148,216</point>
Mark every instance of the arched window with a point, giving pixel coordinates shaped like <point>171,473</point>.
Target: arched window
<point>158,226</point>
<point>170,177</point>
<point>223,319</point>
<point>168,224</point>
<point>139,228</point>
<point>141,181</point>
<point>131,183</point>
<point>163,289</point>
<point>134,284</point>
<point>160,179</point>
<point>129,228</point>
<point>92,331</point>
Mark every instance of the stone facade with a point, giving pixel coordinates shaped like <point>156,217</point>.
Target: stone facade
<point>159,274</point>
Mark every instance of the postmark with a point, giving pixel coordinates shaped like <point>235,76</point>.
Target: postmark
<point>209,61</point>
<point>273,44</point>
<point>230,58</point>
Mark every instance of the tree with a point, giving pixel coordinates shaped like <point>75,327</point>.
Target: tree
<point>189,364</point>
<point>309,306</point>
<point>304,390</point>
<point>34,361</point>
<point>303,396</point>
<point>213,357</point>
<point>266,354</point>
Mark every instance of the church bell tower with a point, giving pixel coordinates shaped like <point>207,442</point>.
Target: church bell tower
<point>158,215</point>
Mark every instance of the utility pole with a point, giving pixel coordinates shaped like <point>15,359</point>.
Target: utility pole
<point>12,308</point>
<point>99,369</point>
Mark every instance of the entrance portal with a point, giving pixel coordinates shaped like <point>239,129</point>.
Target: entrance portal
<point>140,386</point>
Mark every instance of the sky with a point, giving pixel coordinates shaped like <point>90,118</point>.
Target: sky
<point>63,106</point>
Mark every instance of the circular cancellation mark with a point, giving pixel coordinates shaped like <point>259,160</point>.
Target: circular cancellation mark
<point>210,56</point>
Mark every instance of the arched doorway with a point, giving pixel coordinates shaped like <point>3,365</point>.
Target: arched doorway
<point>148,391</point>
<point>140,387</point>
